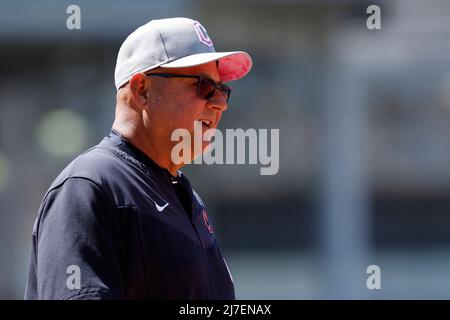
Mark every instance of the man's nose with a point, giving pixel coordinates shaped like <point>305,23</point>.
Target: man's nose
<point>217,102</point>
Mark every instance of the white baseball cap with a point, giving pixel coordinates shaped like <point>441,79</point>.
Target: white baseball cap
<point>175,43</point>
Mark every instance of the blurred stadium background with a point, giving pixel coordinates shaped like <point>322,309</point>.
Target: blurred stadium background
<point>364,119</point>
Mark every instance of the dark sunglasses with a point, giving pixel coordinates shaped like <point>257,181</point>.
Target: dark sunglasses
<point>206,87</point>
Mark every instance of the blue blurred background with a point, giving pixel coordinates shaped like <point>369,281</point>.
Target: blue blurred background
<point>364,119</point>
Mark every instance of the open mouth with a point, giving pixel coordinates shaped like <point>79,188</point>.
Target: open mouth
<point>206,124</point>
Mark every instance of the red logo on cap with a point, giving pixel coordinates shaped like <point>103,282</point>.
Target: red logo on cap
<point>202,34</point>
<point>208,225</point>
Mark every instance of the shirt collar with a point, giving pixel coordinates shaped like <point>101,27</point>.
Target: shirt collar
<point>133,151</point>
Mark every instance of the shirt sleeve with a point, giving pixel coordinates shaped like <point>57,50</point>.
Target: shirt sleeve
<point>78,245</point>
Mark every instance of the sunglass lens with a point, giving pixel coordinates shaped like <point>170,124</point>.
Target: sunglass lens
<point>206,88</point>
<point>226,91</point>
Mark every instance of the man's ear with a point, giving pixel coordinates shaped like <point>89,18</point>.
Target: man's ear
<point>139,87</point>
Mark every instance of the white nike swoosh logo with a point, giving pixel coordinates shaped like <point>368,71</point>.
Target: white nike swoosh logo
<point>161,208</point>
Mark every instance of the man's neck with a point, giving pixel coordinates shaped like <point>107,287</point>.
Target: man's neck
<point>147,146</point>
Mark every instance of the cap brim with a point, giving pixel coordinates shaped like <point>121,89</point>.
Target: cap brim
<point>232,65</point>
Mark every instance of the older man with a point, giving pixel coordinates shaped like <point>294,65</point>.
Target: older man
<point>121,221</point>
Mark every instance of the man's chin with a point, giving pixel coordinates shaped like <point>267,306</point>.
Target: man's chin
<point>206,146</point>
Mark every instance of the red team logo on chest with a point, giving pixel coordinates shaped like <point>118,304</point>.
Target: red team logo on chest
<point>206,220</point>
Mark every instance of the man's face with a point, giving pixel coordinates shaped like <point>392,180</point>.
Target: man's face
<point>174,103</point>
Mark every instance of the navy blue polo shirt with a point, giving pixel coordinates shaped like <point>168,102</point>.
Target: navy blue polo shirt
<point>114,225</point>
